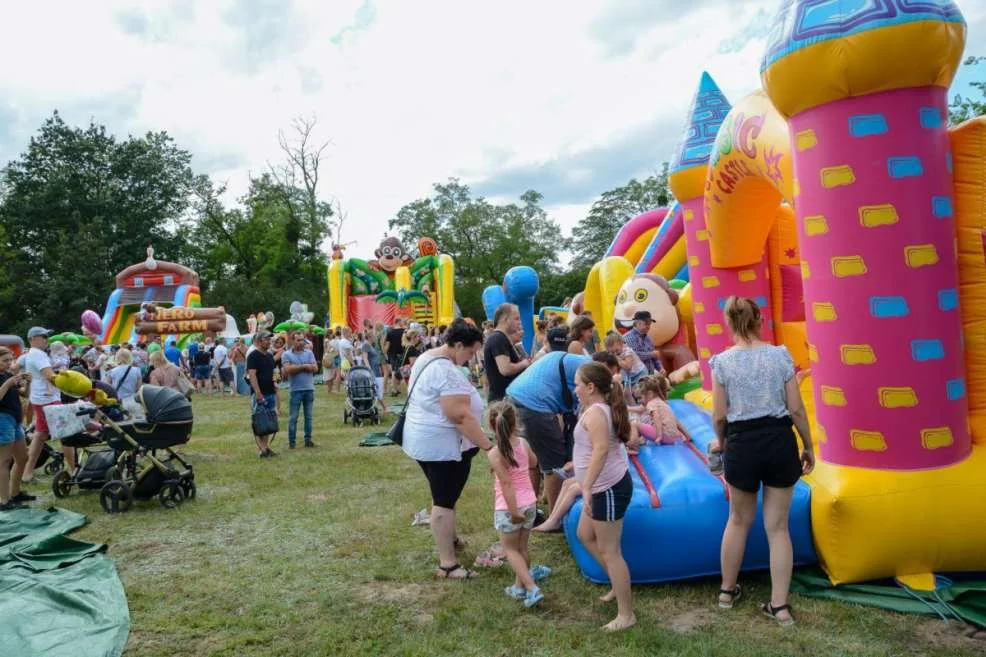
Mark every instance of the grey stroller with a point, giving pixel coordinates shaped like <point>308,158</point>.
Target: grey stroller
<point>361,396</point>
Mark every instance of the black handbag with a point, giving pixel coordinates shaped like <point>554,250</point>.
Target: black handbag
<point>396,432</point>
<point>264,420</point>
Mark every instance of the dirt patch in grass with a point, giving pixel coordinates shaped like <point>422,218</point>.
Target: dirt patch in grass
<point>687,622</point>
<point>951,635</point>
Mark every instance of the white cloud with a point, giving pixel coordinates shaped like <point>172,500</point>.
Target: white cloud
<point>410,93</point>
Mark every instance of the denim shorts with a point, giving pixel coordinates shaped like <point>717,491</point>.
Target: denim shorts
<point>10,429</point>
<point>503,524</point>
<point>270,401</point>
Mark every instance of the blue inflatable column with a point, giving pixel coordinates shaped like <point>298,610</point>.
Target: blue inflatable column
<point>521,285</point>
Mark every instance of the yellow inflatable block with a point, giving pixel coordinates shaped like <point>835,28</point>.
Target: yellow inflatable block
<point>936,438</point>
<point>602,286</point>
<point>710,281</point>
<point>747,275</point>
<point>805,272</point>
<point>796,187</point>
<point>833,396</point>
<point>867,441</point>
<point>816,225</point>
<point>845,266</point>
<point>805,140</point>
<point>857,354</point>
<point>714,329</point>
<point>907,508</point>
<point>920,255</point>
<point>871,216</point>
<point>812,353</point>
<point>693,261</point>
<point>823,312</point>
<point>689,215</point>
<point>704,353</point>
<point>838,176</point>
<point>699,307</point>
<point>897,397</point>
<point>702,235</point>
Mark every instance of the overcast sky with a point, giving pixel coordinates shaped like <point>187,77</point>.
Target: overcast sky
<point>567,97</point>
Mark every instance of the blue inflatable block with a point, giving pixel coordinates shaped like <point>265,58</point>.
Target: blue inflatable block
<point>904,167</point>
<point>955,389</point>
<point>866,125</point>
<point>883,307</point>
<point>922,350</point>
<point>931,118</point>
<point>941,206</point>
<point>948,299</point>
<point>681,538</point>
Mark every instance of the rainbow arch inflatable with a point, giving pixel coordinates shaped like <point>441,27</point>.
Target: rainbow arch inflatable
<point>839,198</point>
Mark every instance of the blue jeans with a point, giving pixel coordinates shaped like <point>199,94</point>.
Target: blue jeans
<point>242,387</point>
<point>299,398</point>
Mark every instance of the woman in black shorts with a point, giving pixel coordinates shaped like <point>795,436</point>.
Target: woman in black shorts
<point>755,402</point>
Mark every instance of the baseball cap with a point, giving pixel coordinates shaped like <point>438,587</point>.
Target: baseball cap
<point>642,316</point>
<point>558,338</point>
<point>35,331</point>
<point>261,335</point>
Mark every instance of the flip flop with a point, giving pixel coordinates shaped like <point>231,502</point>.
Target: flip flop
<point>446,572</point>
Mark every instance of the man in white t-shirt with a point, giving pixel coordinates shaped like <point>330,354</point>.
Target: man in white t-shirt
<point>43,393</point>
<point>223,364</point>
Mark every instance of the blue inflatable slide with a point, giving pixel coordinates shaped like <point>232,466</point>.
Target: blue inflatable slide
<point>673,527</point>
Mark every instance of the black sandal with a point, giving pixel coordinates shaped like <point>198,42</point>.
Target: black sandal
<point>735,595</point>
<point>451,569</point>
<point>771,611</point>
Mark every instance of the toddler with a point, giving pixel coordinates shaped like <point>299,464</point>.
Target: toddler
<point>656,412</point>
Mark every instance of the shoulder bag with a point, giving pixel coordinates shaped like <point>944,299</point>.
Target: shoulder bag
<point>396,433</point>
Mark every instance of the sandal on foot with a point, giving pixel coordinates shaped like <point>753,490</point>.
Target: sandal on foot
<point>735,595</point>
<point>533,597</point>
<point>772,611</point>
<point>539,572</point>
<point>446,572</point>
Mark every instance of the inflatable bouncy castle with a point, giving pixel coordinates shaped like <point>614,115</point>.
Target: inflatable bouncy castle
<point>395,284</point>
<point>839,199</point>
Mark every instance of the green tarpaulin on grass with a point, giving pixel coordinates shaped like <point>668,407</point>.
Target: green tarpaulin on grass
<point>950,600</point>
<point>376,439</point>
<point>58,596</point>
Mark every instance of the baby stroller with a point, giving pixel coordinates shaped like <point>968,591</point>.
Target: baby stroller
<point>139,471</point>
<point>361,397</point>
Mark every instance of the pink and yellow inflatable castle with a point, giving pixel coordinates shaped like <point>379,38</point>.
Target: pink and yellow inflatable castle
<point>844,165</point>
<point>839,198</point>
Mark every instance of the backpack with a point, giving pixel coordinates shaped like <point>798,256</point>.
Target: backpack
<point>202,357</point>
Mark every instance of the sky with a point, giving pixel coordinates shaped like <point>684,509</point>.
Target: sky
<point>567,97</point>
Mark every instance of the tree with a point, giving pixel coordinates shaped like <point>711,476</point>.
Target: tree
<point>78,206</point>
<point>593,234</point>
<point>962,108</point>
<point>485,239</point>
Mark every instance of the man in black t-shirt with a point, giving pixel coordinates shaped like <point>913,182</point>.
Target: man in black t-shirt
<point>500,358</point>
<point>260,372</point>
<point>394,347</point>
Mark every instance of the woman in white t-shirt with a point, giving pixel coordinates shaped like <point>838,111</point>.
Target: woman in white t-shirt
<point>442,432</point>
<point>125,377</point>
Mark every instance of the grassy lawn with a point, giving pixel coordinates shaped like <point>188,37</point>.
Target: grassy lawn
<point>312,553</point>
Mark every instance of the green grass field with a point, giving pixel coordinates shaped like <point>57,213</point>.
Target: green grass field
<point>312,553</point>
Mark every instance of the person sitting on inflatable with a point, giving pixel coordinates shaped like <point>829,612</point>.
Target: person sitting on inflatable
<point>657,421</point>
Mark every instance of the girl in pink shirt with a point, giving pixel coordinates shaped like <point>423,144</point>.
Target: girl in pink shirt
<point>515,467</point>
<point>667,429</point>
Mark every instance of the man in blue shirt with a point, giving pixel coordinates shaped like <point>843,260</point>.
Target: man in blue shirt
<point>541,395</point>
<point>173,354</point>
<point>299,366</point>
<point>639,341</point>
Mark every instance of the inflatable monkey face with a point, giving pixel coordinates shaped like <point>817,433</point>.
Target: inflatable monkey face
<point>652,293</point>
<point>391,254</point>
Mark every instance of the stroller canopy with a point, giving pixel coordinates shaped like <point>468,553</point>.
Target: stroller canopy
<point>165,405</point>
<point>361,375</point>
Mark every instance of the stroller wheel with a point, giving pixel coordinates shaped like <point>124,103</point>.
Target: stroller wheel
<point>172,494</point>
<point>188,488</point>
<point>55,464</point>
<point>116,497</point>
<point>61,485</point>
<point>345,417</point>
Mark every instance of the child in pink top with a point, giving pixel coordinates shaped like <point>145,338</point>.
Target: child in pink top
<point>515,467</point>
<point>656,412</point>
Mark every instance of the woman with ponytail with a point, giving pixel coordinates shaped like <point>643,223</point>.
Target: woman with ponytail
<point>601,470</point>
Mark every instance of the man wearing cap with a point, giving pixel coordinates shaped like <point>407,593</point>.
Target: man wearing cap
<point>260,372</point>
<point>43,393</point>
<point>639,340</point>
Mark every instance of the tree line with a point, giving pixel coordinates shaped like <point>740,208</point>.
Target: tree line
<point>80,204</point>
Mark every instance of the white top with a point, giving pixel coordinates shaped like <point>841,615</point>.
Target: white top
<point>428,434</point>
<point>220,356</point>
<point>345,348</point>
<point>43,391</point>
<point>125,388</point>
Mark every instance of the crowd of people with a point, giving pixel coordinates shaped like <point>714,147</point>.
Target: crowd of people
<point>563,422</point>
<point>557,424</point>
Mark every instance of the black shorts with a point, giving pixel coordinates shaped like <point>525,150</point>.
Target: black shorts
<point>611,504</point>
<point>545,436</point>
<point>447,479</point>
<point>395,366</point>
<point>763,450</point>
<point>226,374</point>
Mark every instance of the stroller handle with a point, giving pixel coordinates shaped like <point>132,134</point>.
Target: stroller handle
<point>86,411</point>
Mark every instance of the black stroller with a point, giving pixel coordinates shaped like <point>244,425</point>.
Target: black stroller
<point>361,397</point>
<point>138,471</point>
